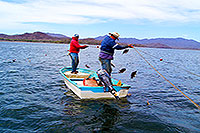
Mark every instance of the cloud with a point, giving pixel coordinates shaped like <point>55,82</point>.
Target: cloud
<point>95,11</point>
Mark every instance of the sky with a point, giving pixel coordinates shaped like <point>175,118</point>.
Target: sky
<point>139,19</point>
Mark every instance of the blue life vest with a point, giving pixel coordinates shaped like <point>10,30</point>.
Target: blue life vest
<point>108,45</point>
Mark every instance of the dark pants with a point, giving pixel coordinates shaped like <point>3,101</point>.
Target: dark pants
<point>75,61</point>
<point>106,64</point>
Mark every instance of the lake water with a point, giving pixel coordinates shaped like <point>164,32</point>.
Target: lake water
<point>34,98</point>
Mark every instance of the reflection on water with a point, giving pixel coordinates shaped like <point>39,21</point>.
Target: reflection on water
<point>106,116</point>
<point>99,115</point>
<point>34,98</point>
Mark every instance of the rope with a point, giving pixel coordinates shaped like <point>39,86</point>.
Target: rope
<point>171,64</point>
<point>167,80</point>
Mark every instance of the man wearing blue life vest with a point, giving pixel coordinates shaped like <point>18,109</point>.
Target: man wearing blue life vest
<point>108,45</point>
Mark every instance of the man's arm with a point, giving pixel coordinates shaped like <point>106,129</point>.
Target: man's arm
<point>79,46</point>
<point>119,47</point>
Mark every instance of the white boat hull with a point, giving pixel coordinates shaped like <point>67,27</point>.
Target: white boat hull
<point>92,95</point>
<point>75,83</point>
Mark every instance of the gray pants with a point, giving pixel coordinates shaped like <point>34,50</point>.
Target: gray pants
<point>106,64</point>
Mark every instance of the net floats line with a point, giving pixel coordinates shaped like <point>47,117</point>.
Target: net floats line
<point>167,79</point>
<point>170,64</point>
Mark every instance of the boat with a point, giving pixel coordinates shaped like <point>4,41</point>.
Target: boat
<point>77,83</point>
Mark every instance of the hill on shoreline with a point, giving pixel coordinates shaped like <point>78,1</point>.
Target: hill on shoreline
<point>161,42</point>
<point>178,43</point>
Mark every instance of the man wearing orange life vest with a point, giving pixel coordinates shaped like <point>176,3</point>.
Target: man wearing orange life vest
<point>74,50</point>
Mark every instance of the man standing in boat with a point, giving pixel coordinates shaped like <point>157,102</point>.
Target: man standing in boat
<point>108,45</point>
<point>74,50</point>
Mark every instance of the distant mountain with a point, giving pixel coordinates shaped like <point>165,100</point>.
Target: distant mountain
<point>45,37</point>
<point>57,35</point>
<point>59,38</point>
<point>161,42</point>
<point>171,42</point>
<point>90,41</point>
<point>35,37</point>
<point>100,38</point>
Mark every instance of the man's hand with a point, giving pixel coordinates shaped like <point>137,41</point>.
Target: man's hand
<point>130,45</point>
<point>85,46</point>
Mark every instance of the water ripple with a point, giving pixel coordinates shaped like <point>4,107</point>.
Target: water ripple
<point>34,98</point>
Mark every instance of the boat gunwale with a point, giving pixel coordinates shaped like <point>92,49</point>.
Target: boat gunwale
<point>124,86</point>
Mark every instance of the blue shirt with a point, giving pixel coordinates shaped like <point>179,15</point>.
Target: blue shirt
<point>108,45</point>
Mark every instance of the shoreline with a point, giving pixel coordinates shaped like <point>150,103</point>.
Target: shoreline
<point>94,44</point>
